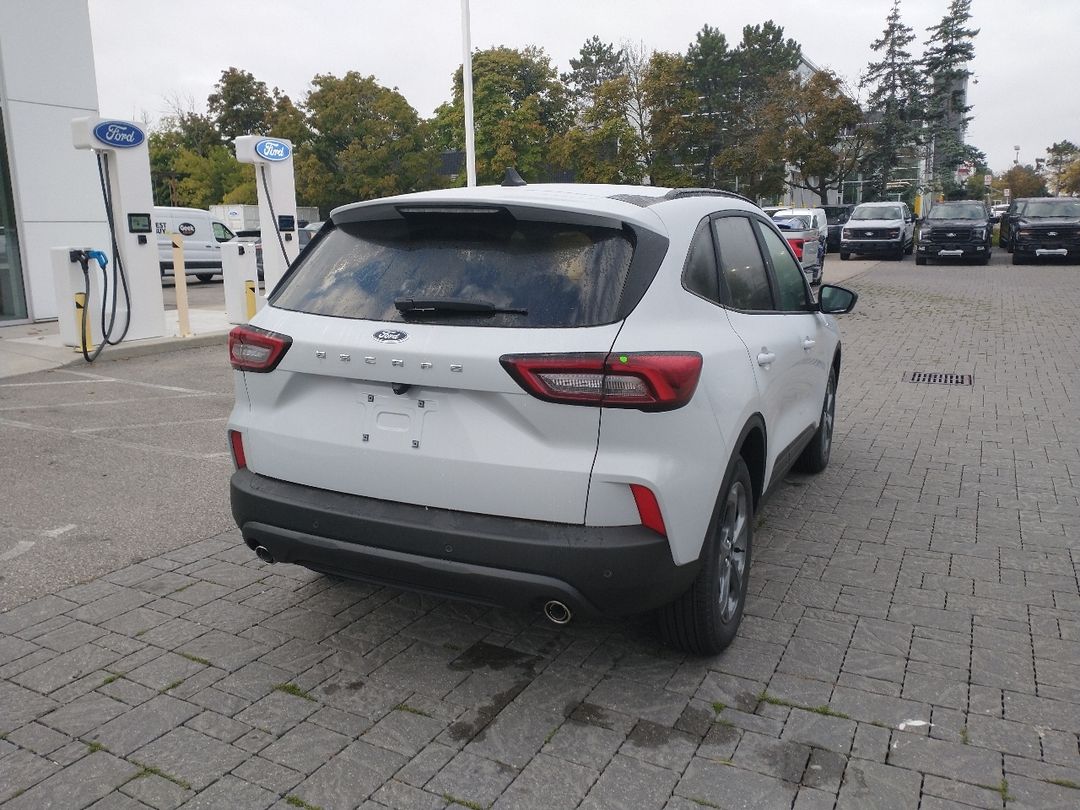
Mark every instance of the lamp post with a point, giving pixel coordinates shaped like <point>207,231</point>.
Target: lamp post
<point>467,92</point>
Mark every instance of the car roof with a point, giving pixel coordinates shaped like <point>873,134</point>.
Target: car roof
<point>880,203</point>
<point>649,206</point>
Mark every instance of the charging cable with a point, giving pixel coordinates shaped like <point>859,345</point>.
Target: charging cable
<point>270,202</point>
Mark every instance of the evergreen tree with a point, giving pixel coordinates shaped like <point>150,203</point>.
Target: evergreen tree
<point>949,49</point>
<point>1061,156</point>
<point>894,104</point>
<point>597,63</point>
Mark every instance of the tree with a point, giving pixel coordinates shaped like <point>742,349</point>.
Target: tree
<point>1061,156</point>
<point>635,68</point>
<point>604,147</point>
<point>676,130</point>
<point>240,105</point>
<point>1070,178</point>
<point>894,104</point>
<point>713,77</point>
<point>948,51</point>
<point>816,130</point>
<point>597,63</point>
<point>366,141</point>
<point>520,108</point>
<point>762,55</point>
<point>1022,181</point>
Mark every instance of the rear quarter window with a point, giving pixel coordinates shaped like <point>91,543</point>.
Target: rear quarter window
<point>561,274</point>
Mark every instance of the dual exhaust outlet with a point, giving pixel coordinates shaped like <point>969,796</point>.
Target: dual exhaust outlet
<point>555,611</point>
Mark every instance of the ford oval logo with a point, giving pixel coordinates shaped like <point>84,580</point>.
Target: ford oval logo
<point>119,133</point>
<point>269,149</point>
<point>390,336</point>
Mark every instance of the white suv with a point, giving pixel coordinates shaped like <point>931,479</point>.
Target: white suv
<point>559,397</point>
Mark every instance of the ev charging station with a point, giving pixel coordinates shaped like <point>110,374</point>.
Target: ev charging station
<point>130,294</point>
<point>277,201</point>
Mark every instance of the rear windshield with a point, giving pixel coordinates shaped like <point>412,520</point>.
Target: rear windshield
<point>877,212</point>
<point>559,274</point>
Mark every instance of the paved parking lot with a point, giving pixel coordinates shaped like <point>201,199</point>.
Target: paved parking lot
<point>912,641</point>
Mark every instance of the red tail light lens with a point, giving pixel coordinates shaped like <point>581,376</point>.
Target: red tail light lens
<point>236,443</point>
<point>255,349</point>
<point>797,246</point>
<point>648,509</point>
<point>660,381</point>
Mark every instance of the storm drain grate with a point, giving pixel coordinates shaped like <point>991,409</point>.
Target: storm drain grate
<point>939,378</point>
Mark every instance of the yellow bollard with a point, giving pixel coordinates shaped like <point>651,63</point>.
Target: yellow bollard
<point>86,342</point>
<point>249,298</point>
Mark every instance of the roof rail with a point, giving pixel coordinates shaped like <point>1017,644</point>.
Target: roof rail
<point>679,193</point>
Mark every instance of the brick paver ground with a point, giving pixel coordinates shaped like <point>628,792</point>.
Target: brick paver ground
<point>912,641</point>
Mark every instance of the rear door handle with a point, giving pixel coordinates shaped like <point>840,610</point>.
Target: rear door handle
<point>809,343</point>
<point>765,358</point>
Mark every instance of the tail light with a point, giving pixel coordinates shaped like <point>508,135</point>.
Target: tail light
<point>648,381</point>
<point>797,246</point>
<point>255,349</point>
<point>236,444</point>
<point>648,509</point>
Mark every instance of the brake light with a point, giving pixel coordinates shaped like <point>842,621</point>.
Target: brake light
<point>648,509</point>
<point>797,246</point>
<point>255,349</point>
<point>648,381</point>
<point>236,443</point>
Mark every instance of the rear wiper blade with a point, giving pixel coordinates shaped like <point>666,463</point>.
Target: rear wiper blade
<point>441,306</point>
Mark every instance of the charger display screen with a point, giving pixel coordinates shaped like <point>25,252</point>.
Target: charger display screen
<point>138,223</point>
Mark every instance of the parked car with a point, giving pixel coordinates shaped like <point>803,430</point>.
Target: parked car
<point>956,230</point>
<point>996,212</point>
<point>1009,219</point>
<point>420,403</point>
<point>879,228</point>
<point>202,236</point>
<point>253,238</point>
<point>837,215</point>
<point>1047,227</point>
<point>806,230</point>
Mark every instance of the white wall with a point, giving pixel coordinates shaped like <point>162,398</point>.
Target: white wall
<point>46,79</point>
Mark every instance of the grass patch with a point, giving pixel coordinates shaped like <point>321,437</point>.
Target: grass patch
<point>463,802</point>
<point>702,802</point>
<point>94,746</point>
<point>551,735</point>
<point>405,707</point>
<point>170,687</point>
<point>181,588</point>
<point>449,646</point>
<point>294,690</point>
<point>828,711</point>
<point>111,679</point>
<point>964,738</point>
<point>195,659</point>
<point>718,706</point>
<point>1063,783</point>
<point>1002,789</point>
<point>150,770</point>
<point>142,632</point>
<point>296,801</point>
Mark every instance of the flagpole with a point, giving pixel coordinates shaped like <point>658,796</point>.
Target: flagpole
<point>467,88</point>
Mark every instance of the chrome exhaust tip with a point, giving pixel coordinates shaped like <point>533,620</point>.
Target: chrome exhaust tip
<point>264,554</point>
<point>557,612</point>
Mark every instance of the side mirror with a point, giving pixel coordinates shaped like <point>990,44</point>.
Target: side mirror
<point>833,300</point>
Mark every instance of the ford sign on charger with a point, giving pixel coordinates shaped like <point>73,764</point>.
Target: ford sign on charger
<point>269,149</point>
<point>119,134</point>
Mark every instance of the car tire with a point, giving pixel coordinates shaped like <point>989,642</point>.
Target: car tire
<point>815,456</point>
<point>705,619</point>
<point>910,248</point>
<point>985,260</point>
<point>1008,246</point>
<point>898,254</point>
<point>920,260</point>
<point>1019,258</point>
<point>205,278</point>
<point>844,256</point>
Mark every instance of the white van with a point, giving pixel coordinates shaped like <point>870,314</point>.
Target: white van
<point>202,240</point>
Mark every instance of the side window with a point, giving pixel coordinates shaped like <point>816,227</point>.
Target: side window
<point>699,275</point>
<point>790,281</point>
<point>741,264</point>
<point>221,233</point>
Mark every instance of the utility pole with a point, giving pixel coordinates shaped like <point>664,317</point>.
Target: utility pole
<point>467,92</point>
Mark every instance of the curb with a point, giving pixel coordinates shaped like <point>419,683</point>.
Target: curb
<point>128,351</point>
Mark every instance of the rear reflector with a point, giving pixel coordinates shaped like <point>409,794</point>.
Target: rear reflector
<point>797,246</point>
<point>255,349</point>
<point>657,381</point>
<point>236,443</point>
<point>648,509</point>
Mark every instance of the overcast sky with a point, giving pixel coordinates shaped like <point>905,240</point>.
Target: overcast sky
<point>150,54</point>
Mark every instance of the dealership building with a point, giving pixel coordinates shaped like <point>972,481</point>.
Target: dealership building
<point>50,194</point>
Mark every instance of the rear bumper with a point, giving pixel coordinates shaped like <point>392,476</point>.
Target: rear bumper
<point>611,570</point>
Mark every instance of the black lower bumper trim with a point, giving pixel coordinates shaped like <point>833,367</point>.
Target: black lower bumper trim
<point>609,570</point>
